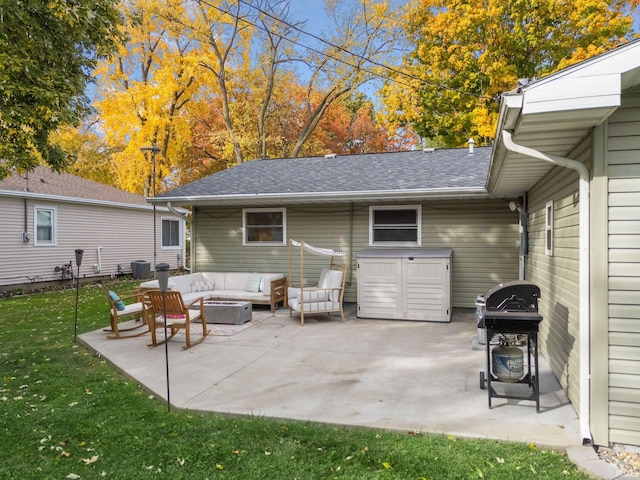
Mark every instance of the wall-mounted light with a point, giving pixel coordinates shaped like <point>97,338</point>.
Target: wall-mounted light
<point>513,206</point>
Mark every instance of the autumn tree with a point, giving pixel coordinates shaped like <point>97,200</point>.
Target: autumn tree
<point>355,50</point>
<point>89,150</point>
<point>47,53</point>
<point>463,55</point>
<point>143,90</point>
<point>350,127</point>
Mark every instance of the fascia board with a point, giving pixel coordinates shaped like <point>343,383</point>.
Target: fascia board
<point>508,118</point>
<point>328,197</point>
<point>80,201</point>
<point>572,94</point>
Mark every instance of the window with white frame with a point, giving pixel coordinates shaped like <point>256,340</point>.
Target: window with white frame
<point>548,224</point>
<point>45,225</point>
<point>171,233</point>
<point>264,226</point>
<point>395,225</point>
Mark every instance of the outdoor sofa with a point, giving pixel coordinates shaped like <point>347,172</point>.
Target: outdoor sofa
<point>257,288</point>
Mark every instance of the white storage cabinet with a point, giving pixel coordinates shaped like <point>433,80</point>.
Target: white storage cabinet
<point>405,284</point>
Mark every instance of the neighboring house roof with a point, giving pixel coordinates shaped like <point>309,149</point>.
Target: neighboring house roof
<point>399,176</point>
<point>45,184</point>
<point>553,114</point>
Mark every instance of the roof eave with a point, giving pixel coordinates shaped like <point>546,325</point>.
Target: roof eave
<point>81,201</point>
<point>325,197</point>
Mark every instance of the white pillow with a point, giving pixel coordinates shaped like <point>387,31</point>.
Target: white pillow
<point>253,283</point>
<point>201,285</point>
<point>330,279</point>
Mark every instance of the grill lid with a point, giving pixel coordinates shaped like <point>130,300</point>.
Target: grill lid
<point>517,296</point>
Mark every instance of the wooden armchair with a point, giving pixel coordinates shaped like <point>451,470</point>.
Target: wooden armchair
<point>178,316</point>
<point>126,305</point>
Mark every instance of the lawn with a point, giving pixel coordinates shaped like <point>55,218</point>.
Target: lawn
<point>65,413</point>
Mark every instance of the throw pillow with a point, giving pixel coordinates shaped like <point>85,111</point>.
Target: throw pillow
<point>253,283</point>
<point>201,285</point>
<point>116,300</point>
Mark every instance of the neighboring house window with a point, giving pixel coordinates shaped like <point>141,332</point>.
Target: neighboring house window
<point>397,225</point>
<point>264,226</point>
<point>45,226</point>
<point>548,223</point>
<point>170,233</point>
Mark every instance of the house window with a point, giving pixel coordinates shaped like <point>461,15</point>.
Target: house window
<point>264,226</point>
<point>398,225</point>
<point>45,226</point>
<point>548,223</point>
<point>170,233</point>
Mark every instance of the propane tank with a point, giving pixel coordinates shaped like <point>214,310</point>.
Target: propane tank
<point>507,361</point>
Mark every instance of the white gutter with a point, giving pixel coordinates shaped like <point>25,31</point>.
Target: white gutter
<point>585,299</point>
<point>326,197</point>
<point>75,200</point>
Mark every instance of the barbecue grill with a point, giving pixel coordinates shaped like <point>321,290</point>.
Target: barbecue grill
<point>511,322</point>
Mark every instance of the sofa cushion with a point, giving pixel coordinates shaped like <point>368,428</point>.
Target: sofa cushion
<point>253,283</point>
<point>308,294</point>
<point>203,285</point>
<point>235,281</point>
<point>332,279</point>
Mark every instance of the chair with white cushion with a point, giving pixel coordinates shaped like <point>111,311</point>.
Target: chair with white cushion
<point>325,297</point>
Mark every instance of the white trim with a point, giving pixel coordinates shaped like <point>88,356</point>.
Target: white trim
<point>54,226</point>
<point>79,201</point>
<point>180,233</point>
<point>246,243</point>
<point>416,208</point>
<point>548,229</point>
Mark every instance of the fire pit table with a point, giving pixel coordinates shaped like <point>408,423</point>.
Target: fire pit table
<point>235,313</point>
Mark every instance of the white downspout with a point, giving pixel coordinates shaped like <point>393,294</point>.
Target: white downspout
<point>585,295</point>
<point>99,267</point>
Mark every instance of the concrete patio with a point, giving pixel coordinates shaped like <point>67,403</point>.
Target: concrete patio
<point>389,374</point>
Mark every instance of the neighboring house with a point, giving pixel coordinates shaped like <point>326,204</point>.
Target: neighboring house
<point>46,216</point>
<point>584,228</point>
<point>586,259</point>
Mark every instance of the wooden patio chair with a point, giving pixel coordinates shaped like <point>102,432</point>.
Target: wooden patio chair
<point>126,305</point>
<point>179,316</point>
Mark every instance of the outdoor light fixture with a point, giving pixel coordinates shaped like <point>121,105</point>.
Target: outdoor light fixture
<point>162,272</point>
<point>153,149</point>
<point>79,253</point>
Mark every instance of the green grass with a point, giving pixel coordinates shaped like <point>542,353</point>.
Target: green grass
<point>65,413</point>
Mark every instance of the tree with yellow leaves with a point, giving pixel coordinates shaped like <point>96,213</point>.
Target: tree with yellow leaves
<point>142,91</point>
<point>464,54</point>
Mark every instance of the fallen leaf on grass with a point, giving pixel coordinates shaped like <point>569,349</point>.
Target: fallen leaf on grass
<point>89,461</point>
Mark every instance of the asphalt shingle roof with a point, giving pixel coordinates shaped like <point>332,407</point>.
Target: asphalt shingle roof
<point>43,181</point>
<point>453,169</point>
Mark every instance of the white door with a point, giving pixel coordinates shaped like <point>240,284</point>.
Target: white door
<point>426,289</point>
<point>380,288</point>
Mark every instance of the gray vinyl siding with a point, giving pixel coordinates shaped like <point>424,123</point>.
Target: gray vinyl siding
<point>623,168</point>
<point>558,275</point>
<point>126,234</point>
<point>481,233</point>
